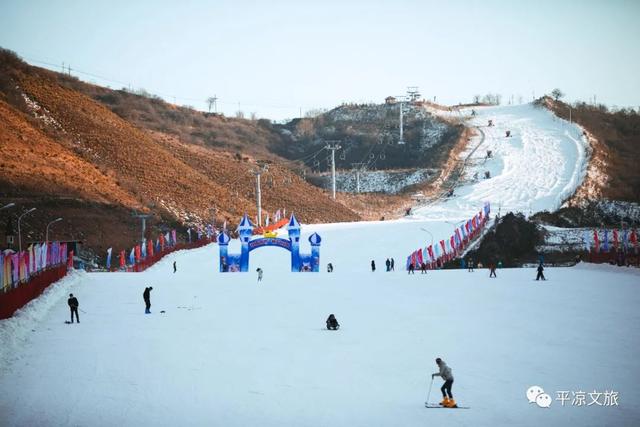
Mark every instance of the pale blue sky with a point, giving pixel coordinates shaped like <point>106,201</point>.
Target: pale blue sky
<point>277,57</point>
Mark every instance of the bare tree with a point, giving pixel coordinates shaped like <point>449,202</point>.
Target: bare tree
<point>557,94</point>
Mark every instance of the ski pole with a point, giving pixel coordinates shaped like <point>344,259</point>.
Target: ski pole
<point>429,394</point>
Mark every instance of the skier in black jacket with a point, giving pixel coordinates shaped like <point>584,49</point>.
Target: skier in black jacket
<point>540,273</point>
<point>332,323</point>
<point>147,299</point>
<point>73,306</point>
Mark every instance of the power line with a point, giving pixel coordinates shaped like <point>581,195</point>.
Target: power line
<point>55,67</point>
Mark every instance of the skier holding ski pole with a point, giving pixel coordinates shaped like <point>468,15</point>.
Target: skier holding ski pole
<point>447,376</point>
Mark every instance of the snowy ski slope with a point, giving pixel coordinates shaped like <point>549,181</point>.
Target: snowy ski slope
<point>230,352</point>
<point>537,168</point>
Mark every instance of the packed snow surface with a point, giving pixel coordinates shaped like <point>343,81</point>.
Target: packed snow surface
<point>228,351</point>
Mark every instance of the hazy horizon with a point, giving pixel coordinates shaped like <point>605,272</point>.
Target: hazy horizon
<point>280,60</point>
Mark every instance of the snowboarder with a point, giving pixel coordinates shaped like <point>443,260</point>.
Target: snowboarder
<point>73,306</point>
<point>147,299</point>
<point>447,376</point>
<point>392,264</point>
<point>540,273</point>
<point>373,265</point>
<point>388,264</point>
<point>174,267</point>
<point>329,268</point>
<point>470,265</point>
<point>411,269</point>
<point>492,268</point>
<point>332,323</point>
<point>259,270</point>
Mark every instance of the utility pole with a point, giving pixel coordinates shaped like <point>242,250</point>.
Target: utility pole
<point>401,141</point>
<point>143,218</point>
<point>358,168</point>
<point>257,173</point>
<point>402,99</point>
<point>333,149</point>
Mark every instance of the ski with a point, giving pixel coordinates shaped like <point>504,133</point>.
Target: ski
<point>431,406</point>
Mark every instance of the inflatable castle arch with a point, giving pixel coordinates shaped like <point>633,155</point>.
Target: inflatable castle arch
<point>240,262</point>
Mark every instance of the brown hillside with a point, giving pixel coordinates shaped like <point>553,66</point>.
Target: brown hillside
<point>60,144</point>
<point>38,164</point>
<point>281,188</point>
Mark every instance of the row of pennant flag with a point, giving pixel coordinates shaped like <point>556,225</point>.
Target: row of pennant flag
<point>148,248</point>
<point>611,240</point>
<point>436,254</point>
<point>19,267</point>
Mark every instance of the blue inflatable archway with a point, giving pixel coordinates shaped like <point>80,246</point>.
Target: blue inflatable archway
<point>240,262</point>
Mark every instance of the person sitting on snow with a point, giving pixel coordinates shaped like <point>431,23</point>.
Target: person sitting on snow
<point>332,323</point>
<point>447,376</point>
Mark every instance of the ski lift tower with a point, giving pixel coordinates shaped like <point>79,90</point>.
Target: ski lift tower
<point>413,94</point>
<point>401,100</point>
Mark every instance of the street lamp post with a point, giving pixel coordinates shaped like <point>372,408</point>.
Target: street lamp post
<point>19,234</point>
<point>48,225</point>
<point>428,232</point>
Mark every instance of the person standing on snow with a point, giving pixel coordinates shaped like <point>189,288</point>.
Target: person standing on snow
<point>73,306</point>
<point>259,270</point>
<point>447,376</point>
<point>147,299</point>
<point>470,265</point>
<point>388,264</point>
<point>373,265</point>
<point>393,263</point>
<point>540,273</point>
<point>492,268</point>
<point>175,268</point>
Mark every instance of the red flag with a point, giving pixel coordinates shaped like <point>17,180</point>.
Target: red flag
<point>596,241</point>
<point>70,260</point>
<point>633,238</point>
<point>122,259</point>
<point>137,253</point>
<point>149,248</point>
<point>430,250</point>
<point>615,238</point>
<point>161,242</point>
<point>419,251</point>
